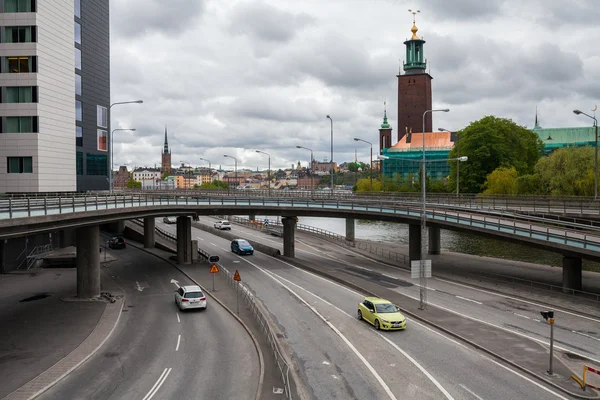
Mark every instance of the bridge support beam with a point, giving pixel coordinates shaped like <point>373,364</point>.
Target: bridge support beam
<point>289,233</point>
<point>184,240</point>
<point>149,225</point>
<point>414,242</point>
<point>252,217</point>
<point>434,240</point>
<point>88,261</point>
<point>572,275</point>
<point>350,229</point>
<point>3,267</point>
<point>65,238</point>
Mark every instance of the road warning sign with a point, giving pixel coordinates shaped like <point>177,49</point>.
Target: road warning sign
<point>236,276</point>
<point>214,269</point>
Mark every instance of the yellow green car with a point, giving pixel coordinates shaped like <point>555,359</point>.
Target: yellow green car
<point>381,313</point>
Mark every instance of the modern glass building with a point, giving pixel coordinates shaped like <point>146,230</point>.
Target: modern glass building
<point>54,95</point>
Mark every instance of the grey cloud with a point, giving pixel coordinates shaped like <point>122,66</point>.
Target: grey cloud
<point>569,15</point>
<point>463,9</point>
<point>133,18</point>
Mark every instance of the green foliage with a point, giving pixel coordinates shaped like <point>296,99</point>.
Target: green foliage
<point>164,176</point>
<point>131,184</point>
<point>530,184</point>
<point>364,185</point>
<point>501,181</point>
<point>354,166</point>
<point>215,185</point>
<point>490,143</point>
<point>568,171</point>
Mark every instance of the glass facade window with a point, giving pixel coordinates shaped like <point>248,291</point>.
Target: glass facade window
<point>19,34</point>
<point>21,64</point>
<point>79,136</point>
<point>19,165</point>
<point>77,33</point>
<point>102,140</point>
<point>21,124</point>
<point>77,58</point>
<point>102,117</point>
<point>78,84</point>
<point>21,94</point>
<point>13,6</point>
<point>78,111</point>
<point>78,8</point>
<point>96,164</point>
<point>79,163</point>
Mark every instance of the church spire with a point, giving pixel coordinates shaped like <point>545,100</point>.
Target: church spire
<point>537,125</point>
<point>415,61</point>
<point>166,146</point>
<point>385,124</point>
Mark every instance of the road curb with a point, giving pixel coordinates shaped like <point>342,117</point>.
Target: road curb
<point>40,384</point>
<point>254,340</point>
<point>439,327</point>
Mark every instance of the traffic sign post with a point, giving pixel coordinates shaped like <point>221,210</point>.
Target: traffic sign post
<point>549,316</point>
<point>266,222</point>
<point>237,278</point>
<point>213,270</point>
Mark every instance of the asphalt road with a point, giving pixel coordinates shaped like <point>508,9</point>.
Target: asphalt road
<point>341,357</point>
<point>159,352</point>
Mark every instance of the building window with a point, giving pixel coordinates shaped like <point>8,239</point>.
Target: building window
<point>13,6</point>
<point>78,85</point>
<point>77,58</point>
<point>79,136</point>
<point>21,125</point>
<point>79,163</point>
<point>21,94</point>
<point>78,8</point>
<point>102,140</point>
<point>77,32</point>
<point>96,164</point>
<point>19,34</point>
<point>20,64</point>
<point>78,111</point>
<point>102,117</point>
<point>19,165</point>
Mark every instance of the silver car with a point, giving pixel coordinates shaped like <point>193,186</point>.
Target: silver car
<point>187,297</point>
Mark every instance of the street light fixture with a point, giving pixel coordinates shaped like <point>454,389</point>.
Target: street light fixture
<point>596,154</point>
<point>458,159</point>
<point>269,173</point>
<point>235,167</point>
<point>311,164</point>
<point>422,277</point>
<point>111,155</point>
<point>188,186</point>
<point>331,159</point>
<point>110,139</point>
<point>371,165</point>
<point>209,168</point>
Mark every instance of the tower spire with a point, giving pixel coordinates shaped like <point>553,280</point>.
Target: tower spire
<point>385,124</point>
<point>415,62</point>
<point>166,146</point>
<point>537,125</point>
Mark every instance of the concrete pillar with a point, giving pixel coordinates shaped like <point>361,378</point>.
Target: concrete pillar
<point>350,229</point>
<point>88,261</point>
<point>289,233</point>
<point>414,242</point>
<point>65,238</point>
<point>120,227</point>
<point>3,267</point>
<point>572,276</point>
<point>252,217</point>
<point>434,240</point>
<point>149,225</point>
<point>184,240</point>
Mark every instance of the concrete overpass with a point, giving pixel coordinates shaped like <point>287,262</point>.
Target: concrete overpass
<point>83,215</point>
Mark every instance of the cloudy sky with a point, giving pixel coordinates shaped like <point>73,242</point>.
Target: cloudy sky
<point>230,77</point>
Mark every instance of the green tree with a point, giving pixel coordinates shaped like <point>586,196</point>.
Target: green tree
<point>364,185</point>
<point>568,171</point>
<point>215,185</point>
<point>131,184</point>
<point>490,143</point>
<point>164,176</point>
<point>530,184</point>
<point>501,181</point>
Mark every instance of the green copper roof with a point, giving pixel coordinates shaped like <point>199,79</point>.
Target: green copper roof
<point>385,124</point>
<point>555,138</point>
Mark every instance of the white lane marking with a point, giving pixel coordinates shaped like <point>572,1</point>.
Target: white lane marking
<point>176,283</point>
<point>214,245</point>
<point>469,391</point>
<point>199,238</point>
<point>466,299</point>
<point>521,315</point>
<point>333,328</point>
<point>325,362</point>
<point>586,335</point>
<point>224,249</point>
<point>178,341</point>
<point>537,320</point>
<point>138,287</point>
<point>412,360</point>
<point>178,320</point>
<point>158,384</point>
<point>235,261</point>
<point>528,380</point>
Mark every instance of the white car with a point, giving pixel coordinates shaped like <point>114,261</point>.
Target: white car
<point>224,224</point>
<point>187,297</point>
<point>170,220</point>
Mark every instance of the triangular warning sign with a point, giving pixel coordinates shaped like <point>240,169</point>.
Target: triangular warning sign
<point>214,269</point>
<point>236,276</point>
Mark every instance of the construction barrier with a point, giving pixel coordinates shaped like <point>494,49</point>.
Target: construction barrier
<point>585,370</point>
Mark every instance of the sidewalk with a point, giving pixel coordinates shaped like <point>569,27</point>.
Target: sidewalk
<point>226,294</point>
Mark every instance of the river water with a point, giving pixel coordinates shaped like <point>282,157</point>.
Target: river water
<point>458,242</point>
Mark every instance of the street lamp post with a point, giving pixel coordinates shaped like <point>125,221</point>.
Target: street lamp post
<point>110,139</point>
<point>112,167</point>
<point>189,174</point>
<point>422,276</point>
<point>371,165</point>
<point>311,165</point>
<point>269,170</point>
<point>235,167</point>
<point>331,159</point>
<point>596,154</point>
<point>458,159</point>
<point>209,168</point>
